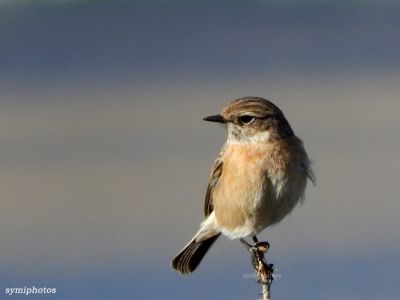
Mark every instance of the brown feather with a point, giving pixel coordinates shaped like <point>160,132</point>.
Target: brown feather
<point>189,258</point>
<point>214,178</point>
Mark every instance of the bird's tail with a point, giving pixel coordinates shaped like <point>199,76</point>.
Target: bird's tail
<point>189,258</point>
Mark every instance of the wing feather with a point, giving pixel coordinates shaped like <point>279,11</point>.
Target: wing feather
<point>214,178</point>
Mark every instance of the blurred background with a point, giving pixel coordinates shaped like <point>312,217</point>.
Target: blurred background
<point>104,157</point>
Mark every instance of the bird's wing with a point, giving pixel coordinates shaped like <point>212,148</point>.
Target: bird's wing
<point>215,175</point>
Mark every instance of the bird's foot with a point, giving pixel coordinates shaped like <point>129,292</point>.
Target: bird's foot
<point>259,247</point>
<point>264,270</point>
<point>257,252</point>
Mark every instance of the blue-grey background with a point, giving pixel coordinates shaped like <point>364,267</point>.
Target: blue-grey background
<point>104,158</point>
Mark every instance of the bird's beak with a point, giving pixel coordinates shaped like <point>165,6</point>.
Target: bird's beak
<point>216,118</point>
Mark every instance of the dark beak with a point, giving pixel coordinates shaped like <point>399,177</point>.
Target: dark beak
<point>216,118</point>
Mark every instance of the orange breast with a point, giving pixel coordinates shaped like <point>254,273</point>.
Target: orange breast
<point>240,184</point>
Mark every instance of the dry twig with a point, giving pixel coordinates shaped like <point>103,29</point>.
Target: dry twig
<point>264,270</point>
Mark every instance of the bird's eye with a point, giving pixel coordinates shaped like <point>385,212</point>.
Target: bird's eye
<point>246,120</point>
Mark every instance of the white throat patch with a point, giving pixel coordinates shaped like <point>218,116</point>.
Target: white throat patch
<point>256,138</point>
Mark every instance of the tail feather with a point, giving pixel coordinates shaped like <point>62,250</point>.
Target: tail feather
<point>189,258</point>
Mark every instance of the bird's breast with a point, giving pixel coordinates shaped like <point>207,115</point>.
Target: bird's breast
<point>258,186</point>
<point>241,186</point>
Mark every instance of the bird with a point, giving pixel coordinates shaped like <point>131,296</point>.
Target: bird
<point>259,176</point>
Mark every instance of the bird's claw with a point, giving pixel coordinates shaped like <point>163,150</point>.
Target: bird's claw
<point>257,252</point>
<point>259,247</point>
<point>264,270</point>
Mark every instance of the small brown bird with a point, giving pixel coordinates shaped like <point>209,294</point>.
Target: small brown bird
<point>257,179</point>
